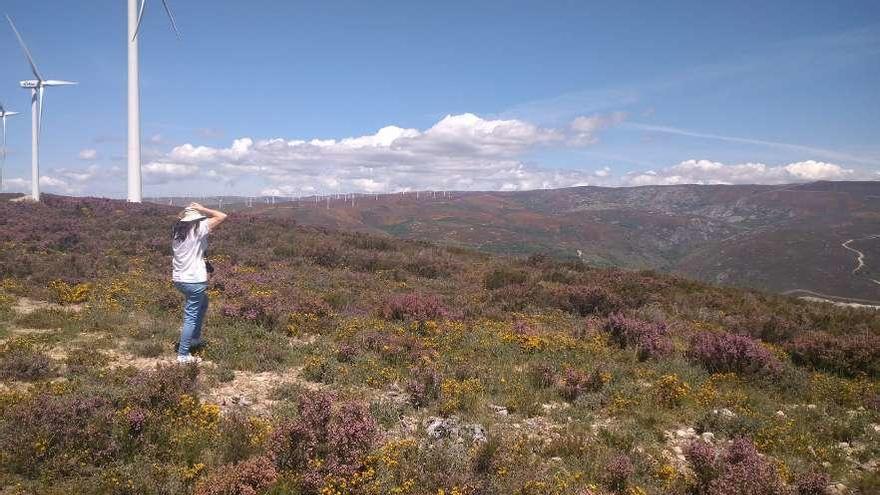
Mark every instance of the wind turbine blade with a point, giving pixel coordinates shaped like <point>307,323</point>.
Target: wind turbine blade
<point>137,28</point>
<point>171,18</point>
<point>24,47</point>
<point>53,82</point>
<point>2,110</point>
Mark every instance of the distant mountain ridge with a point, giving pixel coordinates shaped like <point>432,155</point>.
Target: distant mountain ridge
<point>780,238</point>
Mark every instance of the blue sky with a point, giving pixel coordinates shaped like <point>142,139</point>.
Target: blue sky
<point>481,95</point>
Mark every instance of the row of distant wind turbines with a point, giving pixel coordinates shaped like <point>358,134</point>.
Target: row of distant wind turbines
<point>38,85</point>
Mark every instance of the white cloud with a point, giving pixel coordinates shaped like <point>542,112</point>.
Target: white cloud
<point>586,128</point>
<point>812,170</point>
<point>709,172</point>
<point>88,154</point>
<point>458,152</point>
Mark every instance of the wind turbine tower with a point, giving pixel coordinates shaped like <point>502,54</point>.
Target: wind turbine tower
<point>37,87</point>
<point>135,17</point>
<point>3,114</point>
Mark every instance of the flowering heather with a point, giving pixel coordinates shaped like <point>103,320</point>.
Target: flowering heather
<point>720,352</point>
<point>423,386</point>
<point>812,483</point>
<point>328,438</point>
<point>249,477</point>
<point>737,470</point>
<point>584,300</point>
<point>649,339</point>
<point>162,387</point>
<point>20,360</point>
<point>618,470</point>
<point>58,433</point>
<point>573,383</point>
<point>413,306</point>
<point>848,355</point>
<point>525,360</point>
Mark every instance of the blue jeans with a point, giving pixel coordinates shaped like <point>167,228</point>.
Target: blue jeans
<point>194,308</point>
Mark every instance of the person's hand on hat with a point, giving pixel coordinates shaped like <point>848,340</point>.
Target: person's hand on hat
<point>197,206</point>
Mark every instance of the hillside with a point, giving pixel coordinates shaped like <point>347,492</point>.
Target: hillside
<point>777,238</point>
<point>347,363</point>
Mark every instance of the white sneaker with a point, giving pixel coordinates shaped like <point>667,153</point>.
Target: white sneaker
<point>189,359</point>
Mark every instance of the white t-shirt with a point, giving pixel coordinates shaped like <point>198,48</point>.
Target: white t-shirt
<point>189,255</point>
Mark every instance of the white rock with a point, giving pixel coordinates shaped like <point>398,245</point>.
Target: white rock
<point>837,489</point>
<point>708,436</point>
<point>780,414</point>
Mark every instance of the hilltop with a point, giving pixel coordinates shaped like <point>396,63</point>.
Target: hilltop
<point>341,362</point>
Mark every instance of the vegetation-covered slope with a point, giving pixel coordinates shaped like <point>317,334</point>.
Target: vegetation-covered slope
<point>777,238</point>
<point>345,363</point>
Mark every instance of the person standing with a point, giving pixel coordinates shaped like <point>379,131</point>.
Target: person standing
<point>189,241</point>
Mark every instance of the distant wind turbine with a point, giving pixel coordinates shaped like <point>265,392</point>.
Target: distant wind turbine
<point>135,17</point>
<point>36,86</point>
<point>3,114</point>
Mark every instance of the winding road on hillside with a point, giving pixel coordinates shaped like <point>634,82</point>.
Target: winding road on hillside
<point>860,255</point>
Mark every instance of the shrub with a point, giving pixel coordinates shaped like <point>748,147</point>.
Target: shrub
<point>70,293</point>
<point>328,438</point>
<point>249,477</point>
<point>575,382</point>
<point>812,483</point>
<point>617,471</point>
<point>584,300</point>
<point>346,353</point>
<point>501,277</point>
<point>55,433</point>
<point>162,387</point>
<point>848,355</point>
<point>649,339</point>
<point>21,360</point>
<point>516,297</point>
<point>720,352</point>
<point>542,375</point>
<point>670,390</point>
<point>412,306</point>
<point>423,385</point>
<point>460,395</point>
<point>737,470</point>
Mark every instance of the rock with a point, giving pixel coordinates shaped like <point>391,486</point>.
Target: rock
<point>499,410</point>
<point>453,429</point>
<point>685,433</point>
<point>780,414</point>
<point>811,406</point>
<point>837,489</point>
<point>440,427</point>
<point>724,413</point>
<point>708,437</point>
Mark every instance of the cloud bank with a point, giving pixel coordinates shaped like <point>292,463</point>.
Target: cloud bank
<point>460,152</point>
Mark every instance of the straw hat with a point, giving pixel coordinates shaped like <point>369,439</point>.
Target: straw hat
<point>190,215</point>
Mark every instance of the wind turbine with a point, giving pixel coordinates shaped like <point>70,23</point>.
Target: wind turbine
<point>3,114</point>
<point>135,16</point>
<point>36,86</point>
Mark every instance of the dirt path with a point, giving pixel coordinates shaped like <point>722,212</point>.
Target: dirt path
<point>860,255</point>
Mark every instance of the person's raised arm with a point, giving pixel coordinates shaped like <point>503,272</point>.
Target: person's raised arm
<point>215,217</point>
